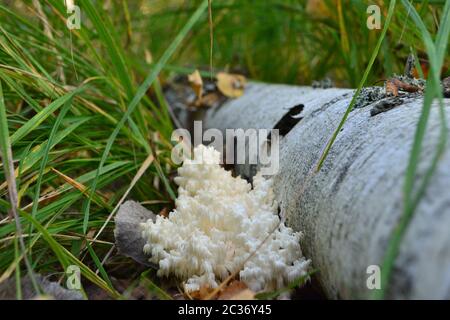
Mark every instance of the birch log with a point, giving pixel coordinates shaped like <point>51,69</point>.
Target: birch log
<point>348,210</point>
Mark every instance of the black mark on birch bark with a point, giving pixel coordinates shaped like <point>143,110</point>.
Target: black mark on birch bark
<point>289,120</point>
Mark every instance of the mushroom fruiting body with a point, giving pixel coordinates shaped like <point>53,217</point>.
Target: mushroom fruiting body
<point>219,221</point>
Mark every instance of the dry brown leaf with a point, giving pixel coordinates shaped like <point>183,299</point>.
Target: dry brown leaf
<point>164,212</point>
<point>196,82</point>
<point>425,66</point>
<point>210,99</point>
<point>231,85</point>
<point>405,86</point>
<point>391,88</point>
<point>394,85</point>
<point>201,294</point>
<point>246,294</point>
<point>236,290</point>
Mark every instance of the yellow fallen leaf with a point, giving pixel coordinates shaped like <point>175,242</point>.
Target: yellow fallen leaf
<point>196,82</point>
<point>148,56</point>
<point>231,85</point>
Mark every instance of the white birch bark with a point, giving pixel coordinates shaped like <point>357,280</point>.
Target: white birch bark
<point>349,209</point>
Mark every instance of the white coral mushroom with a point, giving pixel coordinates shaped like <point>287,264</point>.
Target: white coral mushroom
<point>219,221</point>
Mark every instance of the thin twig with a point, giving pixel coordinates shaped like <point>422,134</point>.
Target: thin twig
<point>108,254</point>
<point>235,273</point>
<point>211,38</point>
<point>175,120</point>
<point>136,178</point>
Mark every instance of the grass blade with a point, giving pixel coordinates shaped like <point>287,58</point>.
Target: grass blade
<point>44,161</point>
<point>140,93</point>
<point>136,178</point>
<point>361,85</point>
<point>433,91</point>
<point>40,117</point>
<point>103,26</point>
<point>8,166</point>
<point>66,258</point>
<point>99,265</point>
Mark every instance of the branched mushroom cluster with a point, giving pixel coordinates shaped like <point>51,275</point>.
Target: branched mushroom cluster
<point>219,221</point>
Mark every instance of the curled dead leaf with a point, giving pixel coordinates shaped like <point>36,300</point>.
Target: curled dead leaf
<point>196,82</point>
<point>236,290</point>
<point>246,294</point>
<point>200,294</point>
<point>391,88</point>
<point>164,212</point>
<point>211,99</point>
<point>231,85</point>
<point>406,86</point>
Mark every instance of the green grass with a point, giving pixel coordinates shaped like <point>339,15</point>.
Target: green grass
<point>363,81</point>
<point>86,105</point>
<point>287,42</point>
<point>436,53</point>
<point>97,131</point>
